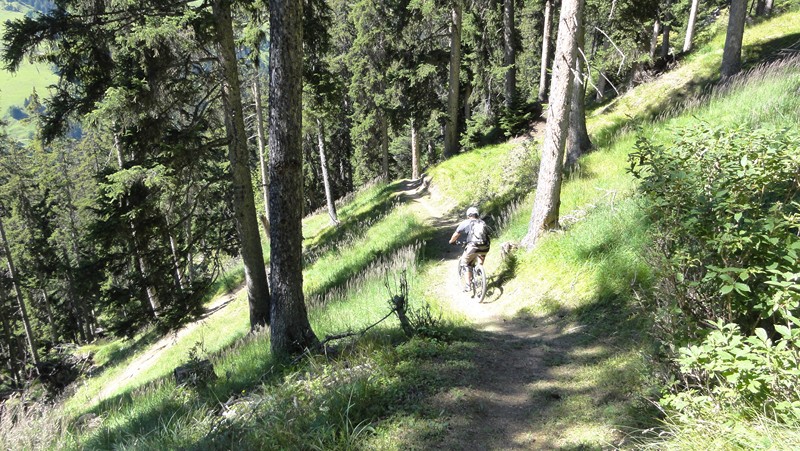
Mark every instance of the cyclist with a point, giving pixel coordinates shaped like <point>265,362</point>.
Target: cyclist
<point>477,234</point>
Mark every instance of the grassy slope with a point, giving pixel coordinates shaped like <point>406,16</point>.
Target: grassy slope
<point>16,87</point>
<point>581,277</point>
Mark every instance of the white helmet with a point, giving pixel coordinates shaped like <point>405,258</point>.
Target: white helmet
<point>472,211</point>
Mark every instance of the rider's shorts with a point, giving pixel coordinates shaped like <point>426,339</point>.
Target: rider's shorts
<point>471,253</point>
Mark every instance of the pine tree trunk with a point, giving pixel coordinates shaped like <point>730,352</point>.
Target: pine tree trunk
<point>732,53</point>
<point>451,127</point>
<point>13,359</point>
<point>768,7</point>
<point>578,142</point>
<point>509,54</point>
<point>548,188</point>
<point>761,6</point>
<point>48,310</point>
<point>416,164</point>
<point>384,147</point>
<point>325,179</point>
<point>654,38</point>
<point>142,268</point>
<point>687,44</point>
<point>548,30</point>
<point>18,291</point>
<point>176,265</point>
<point>290,330</point>
<point>262,151</point>
<point>243,203</point>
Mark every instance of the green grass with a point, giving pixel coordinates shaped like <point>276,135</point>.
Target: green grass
<point>18,86</point>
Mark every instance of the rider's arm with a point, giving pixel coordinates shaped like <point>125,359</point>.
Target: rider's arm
<point>454,238</point>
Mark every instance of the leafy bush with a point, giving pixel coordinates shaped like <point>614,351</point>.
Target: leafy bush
<point>727,207</point>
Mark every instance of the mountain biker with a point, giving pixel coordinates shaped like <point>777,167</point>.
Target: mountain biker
<point>477,234</point>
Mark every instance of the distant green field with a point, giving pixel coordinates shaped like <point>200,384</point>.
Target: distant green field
<point>16,87</point>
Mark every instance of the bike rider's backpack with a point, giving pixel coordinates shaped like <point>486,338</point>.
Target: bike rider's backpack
<point>479,234</point>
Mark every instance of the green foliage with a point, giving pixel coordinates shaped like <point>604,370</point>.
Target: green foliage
<point>729,199</point>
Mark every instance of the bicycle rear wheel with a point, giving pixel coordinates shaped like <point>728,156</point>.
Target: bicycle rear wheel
<point>479,282</point>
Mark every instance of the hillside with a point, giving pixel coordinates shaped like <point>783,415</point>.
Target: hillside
<point>560,354</point>
<point>16,88</point>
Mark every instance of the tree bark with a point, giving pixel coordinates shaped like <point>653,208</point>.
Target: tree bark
<point>548,189</point>
<point>732,54</point>
<point>509,54</point>
<point>687,44</point>
<point>262,151</point>
<point>761,6</point>
<point>548,30</point>
<point>325,179</point>
<point>578,142</point>
<point>451,127</point>
<point>654,38</point>
<point>18,291</point>
<point>243,202</point>
<point>384,147</point>
<point>416,164</point>
<point>290,330</point>
<point>768,7</point>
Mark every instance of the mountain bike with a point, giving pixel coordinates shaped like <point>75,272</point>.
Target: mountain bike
<point>477,288</point>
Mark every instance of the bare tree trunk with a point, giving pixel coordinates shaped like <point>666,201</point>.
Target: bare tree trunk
<point>548,30</point>
<point>666,28</point>
<point>578,142</point>
<point>768,7</point>
<point>760,7</point>
<point>416,164</point>
<point>325,179</point>
<point>384,147</point>
<point>732,53</point>
<point>687,44</point>
<point>13,359</point>
<point>243,202</point>
<point>262,160</point>
<point>142,267</point>
<point>654,38</point>
<point>509,54</point>
<point>548,189</point>
<point>50,321</point>
<point>290,330</point>
<point>23,311</point>
<point>451,127</point>
<point>176,263</point>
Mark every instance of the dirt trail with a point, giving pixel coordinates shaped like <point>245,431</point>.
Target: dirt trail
<point>495,409</point>
<point>151,355</point>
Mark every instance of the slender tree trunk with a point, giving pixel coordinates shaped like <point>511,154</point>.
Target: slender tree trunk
<point>768,7</point>
<point>141,264</point>
<point>325,179</point>
<point>13,352</point>
<point>548,189</point>
<point>761,6</point>
<point>243,203</point>
<point>548,31</point>
<point>23,311</point>
<point>666,28</point>
<point>578,142</point>
<point>78,310</point>
<point>384,147</point>
<point>687,44</point>
<point>451,127</point>
<point>290,330</point>
<point>654,38</point>
<point>50,321</point>
<point>176,265</point>
<point>416,164</point>
<point>262,144</point>
<point>732,53</point>
<point>509,54</point>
